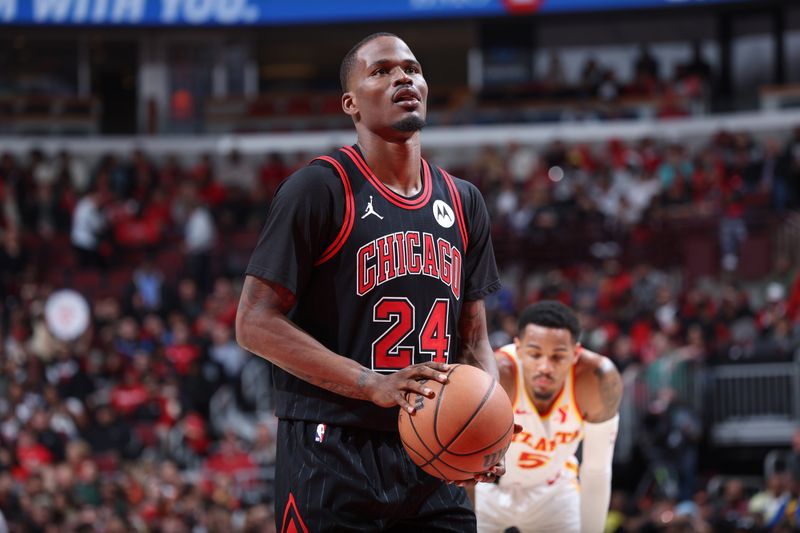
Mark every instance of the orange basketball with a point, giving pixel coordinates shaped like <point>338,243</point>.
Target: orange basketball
<point>464,430</point>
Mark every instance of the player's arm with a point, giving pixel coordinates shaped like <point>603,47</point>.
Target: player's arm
<point>599,389</point>
<point>475,347</point>
<point>263,329</point>
<point>507,371</point>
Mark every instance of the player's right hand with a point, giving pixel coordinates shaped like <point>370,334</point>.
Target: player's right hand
<point>391,389</point>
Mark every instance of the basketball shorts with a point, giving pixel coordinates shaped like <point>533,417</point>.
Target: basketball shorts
<point>343,479</point>
<point>544,508</point>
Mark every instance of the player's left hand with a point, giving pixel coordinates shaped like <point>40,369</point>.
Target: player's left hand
<point>491,475</point>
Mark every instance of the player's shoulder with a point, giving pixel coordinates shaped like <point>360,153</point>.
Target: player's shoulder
<point>506,357</point>
<point>509,350</point>
<point>464,187</point>
<point>591,361</point>
<point>591,366</point>
<point>507,367</point>
<point>318,177</point>
<point>598,385</point>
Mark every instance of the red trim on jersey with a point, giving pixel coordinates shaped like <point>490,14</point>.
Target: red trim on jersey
<point>454,194</point>
<point>295,523</point>
<point>349,213</point>
<point>386,192</point>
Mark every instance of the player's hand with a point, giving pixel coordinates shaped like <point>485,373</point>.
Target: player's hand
<point>390,390</point>
<point>491,475</point>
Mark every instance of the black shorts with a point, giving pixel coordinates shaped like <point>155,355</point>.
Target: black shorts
<point>353,479</point>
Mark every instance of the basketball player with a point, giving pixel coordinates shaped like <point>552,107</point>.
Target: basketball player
<point>368,279</point>
<point>563,395</point>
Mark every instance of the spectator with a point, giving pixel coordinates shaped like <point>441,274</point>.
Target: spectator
<point>698,66</point>
<point>199,239</point>
<point>766,505</point>
<point>555,80</point>
<point>673,435</point>
<point>731,509</point>
<point>146,292</point>
<point>645,64</point>
<point>794,457</point>
<point>89,224</point>
<point>272,173</point>
<point>239,179</point>
<point>591,76</point>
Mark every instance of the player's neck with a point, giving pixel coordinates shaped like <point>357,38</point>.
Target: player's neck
<point>397,165</point>
<point>543,406</point>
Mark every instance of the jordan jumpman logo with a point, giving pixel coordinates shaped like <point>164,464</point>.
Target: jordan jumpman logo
<point>371,210</point>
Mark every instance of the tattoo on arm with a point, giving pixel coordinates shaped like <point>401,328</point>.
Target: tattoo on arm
<point>610,384</point>
<point>358,391</point>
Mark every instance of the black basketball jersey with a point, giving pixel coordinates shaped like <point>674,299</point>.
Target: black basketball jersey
<point>379,277</point>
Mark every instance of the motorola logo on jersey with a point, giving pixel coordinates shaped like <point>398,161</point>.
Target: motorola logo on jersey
<point>410,253</point>
<point>443,214</point>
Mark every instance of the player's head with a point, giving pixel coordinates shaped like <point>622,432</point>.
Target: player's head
<point>547,345</point>
<point>384,89</point>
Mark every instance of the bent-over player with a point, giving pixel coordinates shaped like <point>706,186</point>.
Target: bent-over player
<point>563,395</point>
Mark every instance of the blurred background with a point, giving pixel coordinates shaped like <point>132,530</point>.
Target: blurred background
<point>640,160</point>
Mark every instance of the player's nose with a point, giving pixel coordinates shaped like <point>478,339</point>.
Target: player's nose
<point>401,77</point>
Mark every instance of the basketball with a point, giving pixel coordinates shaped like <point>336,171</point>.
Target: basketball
<point>463,430</point>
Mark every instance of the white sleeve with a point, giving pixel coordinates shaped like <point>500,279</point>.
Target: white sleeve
<point>595,473</point>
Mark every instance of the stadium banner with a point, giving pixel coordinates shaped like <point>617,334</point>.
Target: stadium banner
<point>274,12</point>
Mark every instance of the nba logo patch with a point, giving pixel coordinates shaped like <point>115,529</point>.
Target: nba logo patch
<point>320,433</point>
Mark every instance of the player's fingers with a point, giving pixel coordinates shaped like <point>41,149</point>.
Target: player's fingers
<point>404,403</point>
<point>486,477</point>
<point>418,387</point>
<point>429,372</point>
<point>467,483</point>
<point>442,367</point>
<point>498,470</point>
<point>517,428</point>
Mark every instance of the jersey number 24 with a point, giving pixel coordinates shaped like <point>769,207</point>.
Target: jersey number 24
<point>394,349</point>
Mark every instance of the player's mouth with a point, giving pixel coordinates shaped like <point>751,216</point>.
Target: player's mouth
<point>407,98</point>
<point>542,381</point>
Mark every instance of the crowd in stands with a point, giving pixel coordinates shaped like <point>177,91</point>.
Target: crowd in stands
<point>599,89</point>
<point>154,419</point>
<point>596,90</point>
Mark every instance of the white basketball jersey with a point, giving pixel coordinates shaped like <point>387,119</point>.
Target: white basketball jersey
<point>545,449</point>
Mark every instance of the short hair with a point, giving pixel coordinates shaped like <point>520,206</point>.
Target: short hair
<point>349,60</point>
<point>550,314</point>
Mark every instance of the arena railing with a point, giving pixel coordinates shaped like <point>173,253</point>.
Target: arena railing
<point>746,404</point>
<point>754,404</point>
<point>442,139</point>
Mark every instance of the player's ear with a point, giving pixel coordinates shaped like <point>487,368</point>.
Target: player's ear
<point>578,350</point>
<point>349,104</point>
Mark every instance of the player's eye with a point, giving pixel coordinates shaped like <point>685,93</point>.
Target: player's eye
<point>412,70</point>
<point>378,71</point>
